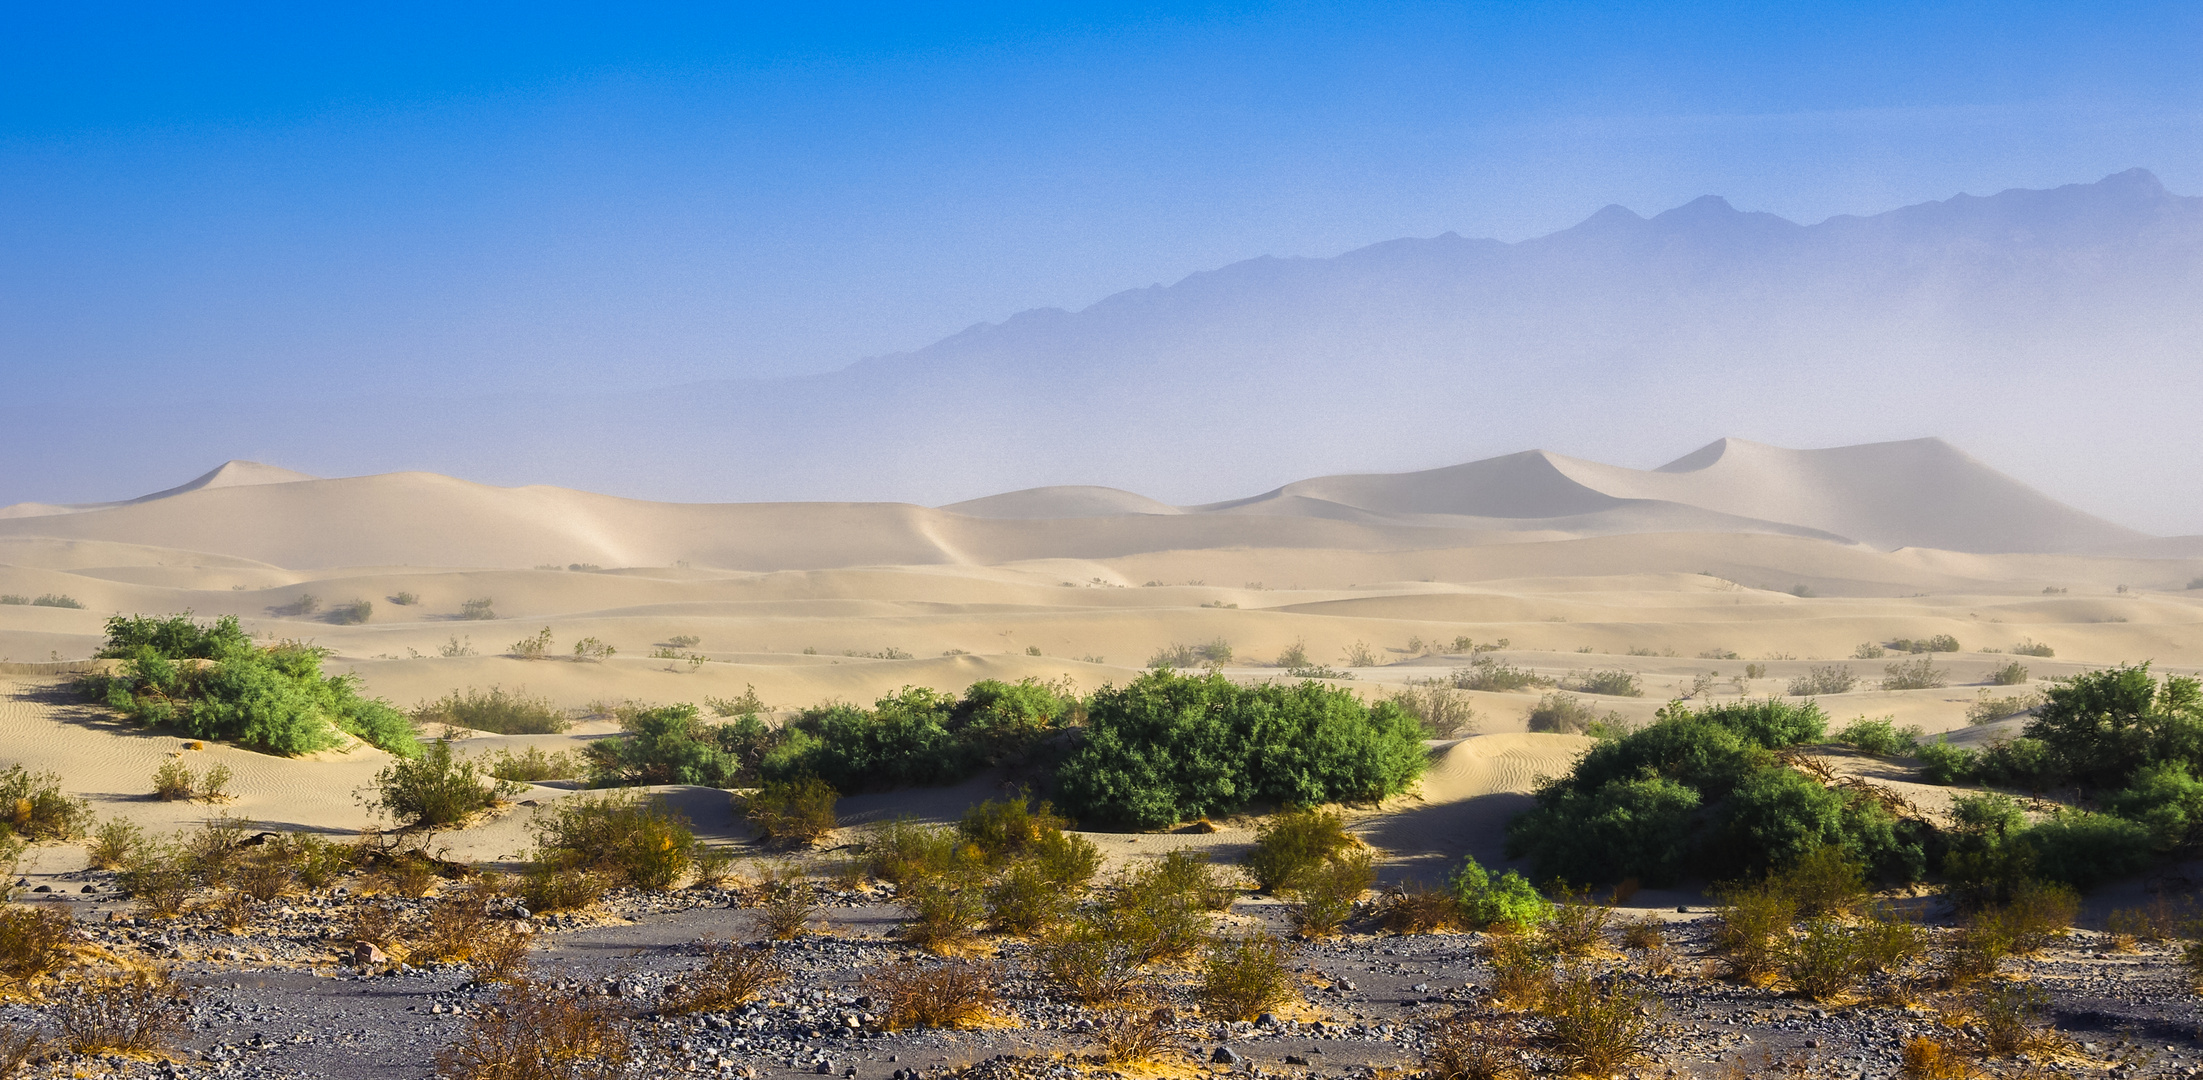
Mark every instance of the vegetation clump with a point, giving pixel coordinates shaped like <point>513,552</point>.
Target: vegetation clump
<point>211,681</point>
<point>505,712</point>
<point>1170,748</point>
<point>1567,714</point>
<point>437,788</point>
<point>627,838</point>
<point>1824,679</point>
<point>1491,674</point>
<point>1703,792</point>
<point>799,811</point>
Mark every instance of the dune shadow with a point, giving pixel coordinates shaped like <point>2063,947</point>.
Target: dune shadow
<point>1426,841</point>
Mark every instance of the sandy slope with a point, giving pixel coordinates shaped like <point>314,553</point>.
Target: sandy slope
<point>812,602</point>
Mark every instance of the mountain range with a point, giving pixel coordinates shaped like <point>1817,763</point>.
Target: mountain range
<point>2055,331</point>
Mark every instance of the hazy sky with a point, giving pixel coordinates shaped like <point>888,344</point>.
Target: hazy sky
<point>318,199</point>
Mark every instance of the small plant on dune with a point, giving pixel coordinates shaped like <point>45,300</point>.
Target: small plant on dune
<point>1880,737</point>
<point>172,781</point>
<point>1988,709</point>
<point>1471,1046</point>
<point>533,766</point>
<point>2011,674</point>
<point>535,646</point>
<point>2031,647</point>
<point>498,710</point>
<point>532,1031</point>
<point>1444,711</point>
<point>732,976</point>
<point>1869,651</point>
<point>1359,654</point>
<point>404,599</point>
<point>593,650</point>
<point>1293,843</point>
<point>353,613</point>
<point>478,609</point>
<point>115,843</point>
<point>798,811</point>
<point>1325,897</point>
<point>135,1012</point>
<point>59,600</point>
<point>1919,673</point>
<point>33,807</point>
<point>1567,714</point>
<point>1244,977</point>
<point>437,789</point>
<point>1824,679</point>
<point>1489,673</point>
<point>1614,683</point>
<point>914,994</point>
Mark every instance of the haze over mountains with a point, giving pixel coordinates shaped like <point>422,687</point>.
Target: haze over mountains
<point>1921,493</point>
<point>2055,332</point>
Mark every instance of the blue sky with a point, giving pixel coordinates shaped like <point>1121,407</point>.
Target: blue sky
<point>244,202</point>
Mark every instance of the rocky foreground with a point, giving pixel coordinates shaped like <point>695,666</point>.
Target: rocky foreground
<point>289,995</point>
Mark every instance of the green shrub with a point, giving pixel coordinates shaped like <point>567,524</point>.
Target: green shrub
<point>630,839</point>
<point>116,843</point>
<point>533,766</point>
<point>13,599</point>
<point>437,788</point>
<point>1566,714</point>
<point>1575,924</point>
<point>1827,880</point>
<point>2031,647</point>
<point>1510,902</point>
<point>274,699</point>
<point>1444,713</point>
<point>1489,673</point>
<point>2011,674</point>
<point>919,736</point>
<point>1005,828</point>
<point>1869,651</point>
<point>1028,900</point>
<point>1242,978</point>
<point>1171,748</point>
<point>674,745</point>
<point>352,614</point>
<point>1942,763</point>
<point>1880,737</point>
<point>478,609</point>
<point>1162,907</point>
<point>945,912</point>
<point>2103,726</point>
<point>1615,683</point>
<point>799,811</point>
<point>1293,844</point>
<point>1936,644</point>
<point>499,710</point>
<point>1988,710</point>
<point>1916,674</point>
<point>2165,798</point>
<point>732,976</point>
<point>1824,679</point>
<point>33,807</point>
<point>59,600</point>
<point>405,599</point>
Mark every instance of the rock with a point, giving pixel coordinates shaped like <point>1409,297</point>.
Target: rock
<point>366,955</point>
<point>43,888</point>
<point>825,1068</point>
<point>1268,1020</point>
<point>1225,1055</point>
<point>1295,1059</point>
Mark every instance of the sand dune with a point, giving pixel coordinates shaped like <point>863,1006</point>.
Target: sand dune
<point>806,603</point>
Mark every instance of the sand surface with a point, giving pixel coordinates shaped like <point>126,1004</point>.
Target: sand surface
<point>808,603</point>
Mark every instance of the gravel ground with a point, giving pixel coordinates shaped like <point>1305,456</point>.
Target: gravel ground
<point>280,1000</point>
